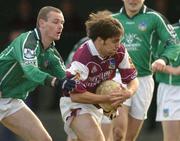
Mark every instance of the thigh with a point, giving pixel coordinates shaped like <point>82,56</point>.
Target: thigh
<point>171,130</point>
<point>121,120</point>
<point>141,101</point>
<point>26,124</point>
<point>87,128</point>
<point>168,99</point>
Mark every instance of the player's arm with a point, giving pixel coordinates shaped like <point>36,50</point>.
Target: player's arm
<point>132,87</point>
<point>26,55</point>
<point>172,70</point>
<point>128,75</point>
<point>91,98</point>
<point>57,66</point>
<point>168,37</point>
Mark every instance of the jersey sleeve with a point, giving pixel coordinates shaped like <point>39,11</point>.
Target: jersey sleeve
<point>80,73</point>
<point>57,65</point>
<point>127,69</point>
<point>25,52</point>
<point>168,37</point>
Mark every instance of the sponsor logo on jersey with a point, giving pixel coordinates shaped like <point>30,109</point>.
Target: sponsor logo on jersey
<point>29,53</point>
<point>30,62</point>
<point>131,41</point>
<point>142,26</point>
<point>96,79</point>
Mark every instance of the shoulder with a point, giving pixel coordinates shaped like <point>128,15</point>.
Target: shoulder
<point>120,52</point>
<point>156,15</point>
<point>82,54</point>
<point>118,14</point>
<point>177,28</point>
<point>176,25</point>
<point>121,49</point>
<point>29,40</point>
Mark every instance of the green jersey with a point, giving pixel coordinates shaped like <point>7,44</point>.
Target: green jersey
<point>141,36</point>
<point>164,77</point>
<point>25,64</point>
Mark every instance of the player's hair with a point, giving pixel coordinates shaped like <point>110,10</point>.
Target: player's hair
<point>103,25</point>
<point>44,12</point>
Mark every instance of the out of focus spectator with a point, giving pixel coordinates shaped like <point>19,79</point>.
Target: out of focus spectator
<point>24,19</point>
<point>73,21</point>
<point>169,8</point>
<point>162,6</point>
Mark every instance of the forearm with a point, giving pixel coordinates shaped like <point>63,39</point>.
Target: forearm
<point>88,98</point>
<point>133,86</point>
<point>172,70</point>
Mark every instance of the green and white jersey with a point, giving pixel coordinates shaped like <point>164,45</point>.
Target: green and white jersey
<point>24,65</point>
<point>164,77</point>
<point>141,36</point>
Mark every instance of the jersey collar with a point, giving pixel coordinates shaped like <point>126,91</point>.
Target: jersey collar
<point>93,49</point>
<point>141,11</point>
<point>38,37</point>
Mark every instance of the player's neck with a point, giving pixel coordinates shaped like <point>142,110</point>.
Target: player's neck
<point>46,42</point>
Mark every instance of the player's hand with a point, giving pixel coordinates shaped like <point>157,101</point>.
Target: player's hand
<point>66,85</point>
<point>120,96</point>
<point>158,65</point>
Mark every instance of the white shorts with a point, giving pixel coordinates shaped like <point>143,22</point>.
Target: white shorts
<point>168,102</point>
<point>139,103</point>
<point>67,107</point>
<point>9,106</point>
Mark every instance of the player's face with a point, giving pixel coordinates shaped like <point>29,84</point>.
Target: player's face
<point>54,25</point>
<point>110,46</point>
<point>133,6</point>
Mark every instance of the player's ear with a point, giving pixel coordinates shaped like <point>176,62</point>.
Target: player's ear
<point>41,22</point>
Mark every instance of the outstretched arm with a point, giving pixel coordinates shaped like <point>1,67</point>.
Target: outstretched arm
<point>172,70</point>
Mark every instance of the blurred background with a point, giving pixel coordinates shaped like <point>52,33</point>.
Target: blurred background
<point>20,15</point>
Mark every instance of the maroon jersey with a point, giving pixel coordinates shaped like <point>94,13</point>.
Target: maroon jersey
<point>96,69</point>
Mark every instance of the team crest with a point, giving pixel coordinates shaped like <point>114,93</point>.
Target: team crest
<point>112,63</point>
<point>165,112</point>
<point>29,53</point>
<point>142,26</point>
<point>94,69</point>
